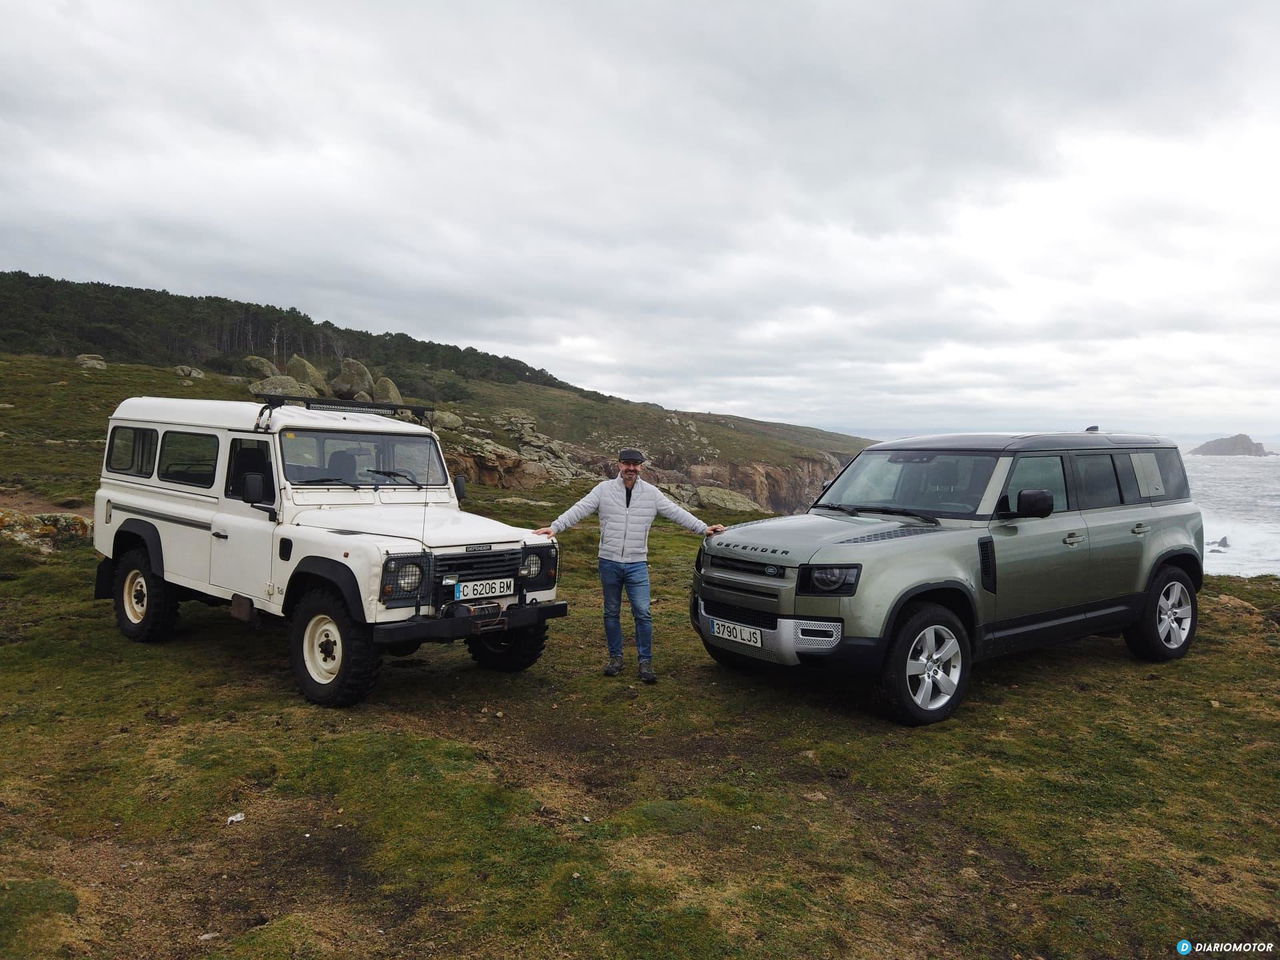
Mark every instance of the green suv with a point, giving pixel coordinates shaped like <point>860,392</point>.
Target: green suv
<point>925,556</point>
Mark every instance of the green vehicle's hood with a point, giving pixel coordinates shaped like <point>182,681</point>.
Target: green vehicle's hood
<point>793,540</point>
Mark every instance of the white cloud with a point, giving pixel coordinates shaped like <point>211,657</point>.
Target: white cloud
<point>958,216</point>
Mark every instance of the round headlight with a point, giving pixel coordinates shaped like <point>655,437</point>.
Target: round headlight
<point>828,578</point>
<point>531,567</point>
<point>409,578</point>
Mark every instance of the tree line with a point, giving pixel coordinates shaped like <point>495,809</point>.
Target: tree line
<point>52,317</point>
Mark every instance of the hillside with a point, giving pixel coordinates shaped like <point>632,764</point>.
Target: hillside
<point>512,425</point>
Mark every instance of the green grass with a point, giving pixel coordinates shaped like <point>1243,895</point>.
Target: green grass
<point>1080,804</point>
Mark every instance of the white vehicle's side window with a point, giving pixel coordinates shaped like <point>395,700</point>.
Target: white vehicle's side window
<point>132,450</point>
<point>188,458</point>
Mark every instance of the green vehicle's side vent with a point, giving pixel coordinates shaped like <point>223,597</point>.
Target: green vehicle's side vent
<point>987,563</point>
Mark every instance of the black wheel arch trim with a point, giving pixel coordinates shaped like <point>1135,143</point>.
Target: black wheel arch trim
<point>339,574</point>
<point>149,535</point>
<point>973,624</point>
<point>1178,553</point>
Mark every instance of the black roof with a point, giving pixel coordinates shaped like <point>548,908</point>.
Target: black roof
<point>1015,442</point>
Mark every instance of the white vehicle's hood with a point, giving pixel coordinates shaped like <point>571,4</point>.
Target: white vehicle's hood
<point>434,526</point>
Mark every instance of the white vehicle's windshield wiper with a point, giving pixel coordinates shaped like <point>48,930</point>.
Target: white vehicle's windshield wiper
<point>400,474</point>
<point>848,508</point>
<point>299,483</point>
<point>900,512</point>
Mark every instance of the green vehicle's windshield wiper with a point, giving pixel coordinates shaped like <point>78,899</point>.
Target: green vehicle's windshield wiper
<point>848,508</point>
<point>900,512</point>
<point>353,486</point>
<point>400,475</point>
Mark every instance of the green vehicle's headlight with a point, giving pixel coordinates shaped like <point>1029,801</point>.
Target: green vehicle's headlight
<point>833,581</point>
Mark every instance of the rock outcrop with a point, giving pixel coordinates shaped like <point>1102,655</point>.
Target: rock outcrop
<point>1241,445</point>
<point>189,373</point>
<point>91,361</point>
<point>353,380</point>
<point>386,391</point>
<point>781,489</point>
<point>306,374</point>
<point>261,367</point>
<point>282,386</point>
<point>43,531</point>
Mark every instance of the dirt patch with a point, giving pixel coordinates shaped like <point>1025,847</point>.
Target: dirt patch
<point>24,501</point>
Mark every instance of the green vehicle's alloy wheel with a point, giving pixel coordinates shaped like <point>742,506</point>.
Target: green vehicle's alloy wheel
<point>934,664</point>
<point>1167,625</point>
<point>926,670</point>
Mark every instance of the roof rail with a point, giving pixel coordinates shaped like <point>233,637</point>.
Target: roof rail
<point>387,409</point>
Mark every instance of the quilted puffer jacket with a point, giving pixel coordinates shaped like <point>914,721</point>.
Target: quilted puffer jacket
<point>624,531</point>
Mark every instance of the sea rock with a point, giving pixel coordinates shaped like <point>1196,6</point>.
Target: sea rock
<point>261,367</point>
<point>1241,445</point>
<point>386,391</point>
<point>91,361</point>
<point>352,380</point>
<point>282,386</point>
<point>189,373</point>
<point>305,373</point>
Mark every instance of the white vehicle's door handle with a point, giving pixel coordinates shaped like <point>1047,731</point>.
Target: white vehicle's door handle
<point>221,536</point>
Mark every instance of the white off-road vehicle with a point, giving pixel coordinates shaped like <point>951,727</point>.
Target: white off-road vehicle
<point>329,514</point>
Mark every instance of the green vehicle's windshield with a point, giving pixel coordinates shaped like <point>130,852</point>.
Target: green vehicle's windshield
<point>328,457</point>
<point>926,482</point>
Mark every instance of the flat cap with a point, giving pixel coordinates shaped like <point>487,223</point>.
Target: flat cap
<point>631,453</point>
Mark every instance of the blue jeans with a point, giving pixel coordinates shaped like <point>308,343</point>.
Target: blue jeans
<point>635,577</point>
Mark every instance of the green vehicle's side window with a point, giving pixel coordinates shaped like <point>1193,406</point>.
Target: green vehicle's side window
<point>1039,473</point>
<point>1096,475</point>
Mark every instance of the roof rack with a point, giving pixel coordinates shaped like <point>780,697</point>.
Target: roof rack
<point>273,400</point>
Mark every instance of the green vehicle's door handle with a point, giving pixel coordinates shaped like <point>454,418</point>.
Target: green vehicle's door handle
<point>1071,539</point>
<point>1140,529</point>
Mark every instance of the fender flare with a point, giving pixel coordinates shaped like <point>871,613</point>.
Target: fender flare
<point>149,535</point>
<point>340,575</point>
<point>1197,578</point>
<point>955,586</point>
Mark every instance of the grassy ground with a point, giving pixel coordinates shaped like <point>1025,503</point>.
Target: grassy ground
<point>1081,804</point>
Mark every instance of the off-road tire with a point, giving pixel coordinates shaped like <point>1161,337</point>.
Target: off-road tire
<point>1167,626</point>
<point>509,650</point>
<point>146,606</point>
<point>334,659</point>
<point>926,670</point>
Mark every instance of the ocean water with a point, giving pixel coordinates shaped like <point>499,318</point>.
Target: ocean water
<point>1240,500</point>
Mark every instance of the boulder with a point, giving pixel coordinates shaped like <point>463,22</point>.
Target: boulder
<point>91,361</point>
<point>444,420</point>
<point>261,367</point>
<point>282,387</point>
<point>189,373</point>
<point>362,397</point>
<point>721,499</point>
<point>386,391</point>
<point>304,372</point>
<point>352,380</point>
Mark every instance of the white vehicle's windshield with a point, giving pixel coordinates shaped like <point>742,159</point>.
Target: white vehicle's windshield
<point>922,483</point>
<point>330,457</point>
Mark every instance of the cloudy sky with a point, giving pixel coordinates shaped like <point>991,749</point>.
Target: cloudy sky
<point>867,216</point>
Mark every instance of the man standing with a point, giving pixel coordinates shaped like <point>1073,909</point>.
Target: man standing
<point>627,506</point>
